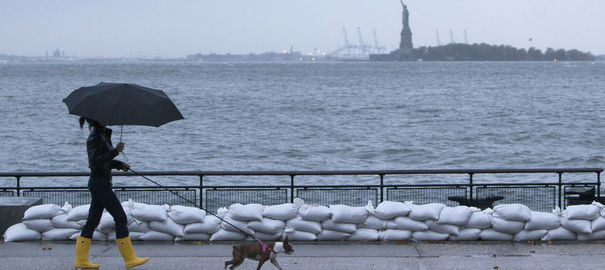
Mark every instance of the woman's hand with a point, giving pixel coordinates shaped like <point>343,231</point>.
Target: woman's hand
<point>120,147</point>
<point>125,166</point>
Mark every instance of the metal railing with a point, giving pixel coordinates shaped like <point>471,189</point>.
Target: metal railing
<point>538,195</point>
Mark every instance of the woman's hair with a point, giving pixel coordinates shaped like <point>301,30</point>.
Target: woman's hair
<point>91,123</point>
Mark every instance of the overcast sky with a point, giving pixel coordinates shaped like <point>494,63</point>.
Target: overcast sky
<point>175,28</point>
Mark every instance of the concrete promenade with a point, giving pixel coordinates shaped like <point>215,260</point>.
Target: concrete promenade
<point>411,255</point>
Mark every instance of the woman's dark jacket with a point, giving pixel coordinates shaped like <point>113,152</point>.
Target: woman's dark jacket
<point>101,153</point>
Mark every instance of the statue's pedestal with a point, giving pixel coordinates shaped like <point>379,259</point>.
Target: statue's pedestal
<point>13,208</point>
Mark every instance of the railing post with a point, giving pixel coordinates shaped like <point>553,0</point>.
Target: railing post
<point>470,185</point>
<point>18,186</point>
<point>381,187</point>
<point>201,190</point>
<point>560,188</point>
<point>291,188</point>
<point>599,186</point>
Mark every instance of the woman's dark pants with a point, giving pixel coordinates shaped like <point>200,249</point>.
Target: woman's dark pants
<point>104,198</point>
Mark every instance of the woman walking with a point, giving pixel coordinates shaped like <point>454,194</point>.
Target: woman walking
<point>100,161</point>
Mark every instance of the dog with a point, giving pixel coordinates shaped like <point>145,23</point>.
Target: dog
<point>260,252</point>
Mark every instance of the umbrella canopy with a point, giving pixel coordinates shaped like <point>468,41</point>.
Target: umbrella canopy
<point>123,104</point>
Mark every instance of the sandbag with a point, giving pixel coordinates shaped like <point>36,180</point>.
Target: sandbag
<point>185,214</point>
<point>268,236</point>
<point>513,212</point>
<point>600,235</point>
<point>304,225</point>
<point>348,214</point>
<point>246,212</point>
<point>284,211</point>
<point>390,210</point>
<point>339,227</point>
<point>429,236</point>
<point>559,234</point>
<point>598,224</point>
<point>364,234</point>
<point>507,226</point>
<point>106,224</point>
<point>78,212</point>
<point>193,237</point>
<point>267,226</point>
<point>298,236</point>
<point>530,235</point>
<point>39,225</point>
<point>542,221</point>
<point>236,225</point>
<point>134,236</point>
<point>426,211</point>
<point>466,234</point>
<point>329,235</point>
<point>576,225</point>
<point>408,224</point>
<point>96,236</point>
<point>139,226</point>
<point>156,236</point>
<point>168,226</point>
<point>147,212</point>
<point>443,228</point>
<point>479,220</point>
<point>314,212</point>
<point>61,221</point>
<point>210,225</point>
<point>20,232</point>
<point>45,211</point>
<point>492,235</point>
<point>373,222</point>
<point>585,212</point>
<point>59,234</point>
<point>394,235</point>
<point>458,215</point>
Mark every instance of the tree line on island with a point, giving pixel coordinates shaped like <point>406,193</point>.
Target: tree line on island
<point>486,52</point>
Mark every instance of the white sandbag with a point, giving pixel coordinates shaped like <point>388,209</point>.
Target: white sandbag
<point>78,212</point>
<point>348,214</point>
<point>329,235</point>
<point>600,235</point>
<point>576,225</point>
<point>268,236</point>
<point>106,224</point>
<point>134,236</point>
<point>426,211</point>
<point>339,227</point>
<point>298,224</point>
<point>394,235</point>
<point>185,214</point>
<point>442,228</point>
<point>298,236</point>
<point>156,236</point>
<point>364,234</point>
<point>61,221</point>
<point>530,235</point>
<point>210,225</point>
<point>513,212</point>
<point>267,226</point>
<point>82,223</point>
<point>458,215</point>
<point>598,224</point>
<point>585,211</point>
<point>390,209</point>
<point>236,225</point>
<point>559,234</point>
<point>96,236</point>
<point>20,232</point>
<point>59,234</point>
<point>284,211</point>
<point>408,224</point>
<point>507,226</point>
<point>246,212</point>
<point>429,236</point>
<point>139,226</point>
<point>466,234</point>
<point>193,237</point>
<point>491,235</point>
<point>479,220</point>
<point>167,226</point>
<point>543,221</point>
<point>39,225</point>
<point>314,212</point>
<point>147,212</point>
<point>373,222</point>
<point>45,211</point>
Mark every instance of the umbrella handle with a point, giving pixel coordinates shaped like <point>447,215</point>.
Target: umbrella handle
<point>121,128</point>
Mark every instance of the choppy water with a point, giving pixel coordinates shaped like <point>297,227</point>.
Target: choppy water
<point>321,116</point>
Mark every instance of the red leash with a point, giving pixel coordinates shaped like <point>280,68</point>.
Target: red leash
<point>265,247</point>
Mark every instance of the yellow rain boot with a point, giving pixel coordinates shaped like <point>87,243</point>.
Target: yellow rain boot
<point>82,246</point>
<point>130,259</point>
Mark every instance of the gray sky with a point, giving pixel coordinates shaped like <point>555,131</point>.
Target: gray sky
<point>175,28</point>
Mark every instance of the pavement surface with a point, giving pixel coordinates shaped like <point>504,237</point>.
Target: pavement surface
<point>337,255</point>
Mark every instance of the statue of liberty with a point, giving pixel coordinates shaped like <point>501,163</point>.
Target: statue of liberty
<point>405,45</point>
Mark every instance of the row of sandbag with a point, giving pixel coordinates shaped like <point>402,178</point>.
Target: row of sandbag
<point>299,221</point>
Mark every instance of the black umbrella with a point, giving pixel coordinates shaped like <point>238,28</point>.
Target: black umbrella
<point>123,104</point>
